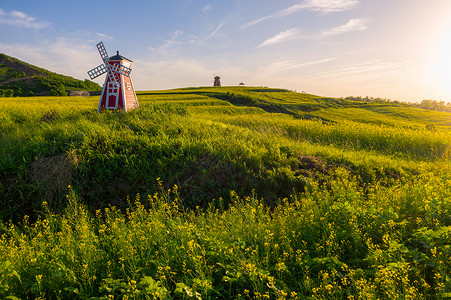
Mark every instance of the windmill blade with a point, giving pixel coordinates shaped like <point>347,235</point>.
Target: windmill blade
<point>113,76</point>
<point>103,52</point>
<point>114,70</point>
<point>97,71</point>
<point>123,70</point>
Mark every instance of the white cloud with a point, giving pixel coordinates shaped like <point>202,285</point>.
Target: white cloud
<point>170,45</point>
<point>211,35</point>
<point>283,36</point>
<point>323,6</point>
<point>282,68</point>
<point>370,69</point>
<point>183,72</point>
<point>326,6</point>
<point>206,8</point>
<point>285,12</point>
<point>352,25</point>
<point>66,56</point>
<point>167,74</point>
<point>21,19</point>
<point>104,36</point>
<point>177,33</point>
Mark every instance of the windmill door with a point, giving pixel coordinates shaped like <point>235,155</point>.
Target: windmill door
<point>112,96</point>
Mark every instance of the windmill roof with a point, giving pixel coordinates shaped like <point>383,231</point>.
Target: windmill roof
<point>119,57</point>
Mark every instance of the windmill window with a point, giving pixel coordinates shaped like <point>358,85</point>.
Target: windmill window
<point>112,90</point>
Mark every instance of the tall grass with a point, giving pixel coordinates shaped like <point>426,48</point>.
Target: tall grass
<point>232,201</point>
<point>337,242</point>
<point>419,144</point>
<point>206,150</point>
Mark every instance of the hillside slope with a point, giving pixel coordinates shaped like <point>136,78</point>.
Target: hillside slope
<point>208,141</point>
<point>224,193</point>
<point>313,107</point>
<point>18,78</point>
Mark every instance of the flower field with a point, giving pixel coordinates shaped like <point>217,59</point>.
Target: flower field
<point>229,193</point>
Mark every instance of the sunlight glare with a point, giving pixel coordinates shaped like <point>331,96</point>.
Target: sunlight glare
<point>442,64</point>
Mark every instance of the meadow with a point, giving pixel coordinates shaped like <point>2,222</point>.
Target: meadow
<point>231,192</point>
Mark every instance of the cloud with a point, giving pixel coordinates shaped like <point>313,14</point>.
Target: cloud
<point>352,25</point>
<point>312,62</point>
<point>285,12</point>
<point>323,6</point>
<point>211,35</point>
<point>370,69</point>
<point>206,8</point>
<point>326,6</point>
<point>284,67</point>
<point>184,72</point>
<point>177,33</point>
<point>104,36</point>
<point>70,55</point>
<point>283,36</point>
<point>21,19</point>
<point>171,44</point>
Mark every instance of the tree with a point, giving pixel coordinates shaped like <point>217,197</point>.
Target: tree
<point>58,90</point>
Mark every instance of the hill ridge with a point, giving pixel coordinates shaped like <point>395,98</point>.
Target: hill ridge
<point>19,78</point>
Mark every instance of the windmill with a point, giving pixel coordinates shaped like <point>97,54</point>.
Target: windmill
<point>217,81</point>
<point>118,92</point>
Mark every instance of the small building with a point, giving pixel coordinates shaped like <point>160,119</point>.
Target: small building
<point>79,94</point>
<point>114,96</point>
<point>118,92</point>
<point>217,81</point>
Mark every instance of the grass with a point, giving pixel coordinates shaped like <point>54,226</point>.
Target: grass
<point>390,243</point>
<point>224,193</point>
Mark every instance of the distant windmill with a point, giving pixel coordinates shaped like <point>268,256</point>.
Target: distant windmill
<point>118,92</point>
<point>217,81</point>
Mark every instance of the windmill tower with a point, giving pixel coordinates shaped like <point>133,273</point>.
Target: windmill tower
<point>217,81</point>
<point>118,92</point>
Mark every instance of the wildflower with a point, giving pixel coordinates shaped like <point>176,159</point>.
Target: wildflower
<point>281,267</point>
<point>39,278</point>
<point>434,251</point>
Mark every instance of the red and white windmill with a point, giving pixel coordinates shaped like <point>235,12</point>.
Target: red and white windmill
<point>118,92</point>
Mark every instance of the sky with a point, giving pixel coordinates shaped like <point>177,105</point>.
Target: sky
<point>396,49</point>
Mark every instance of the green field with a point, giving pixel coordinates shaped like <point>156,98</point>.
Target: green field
<point>230,192</point>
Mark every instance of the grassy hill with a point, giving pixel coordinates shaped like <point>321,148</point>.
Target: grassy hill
<point>225,192</point>
<point>18,78</point>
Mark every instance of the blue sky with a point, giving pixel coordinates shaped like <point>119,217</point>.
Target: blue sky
<point>398,49</point>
